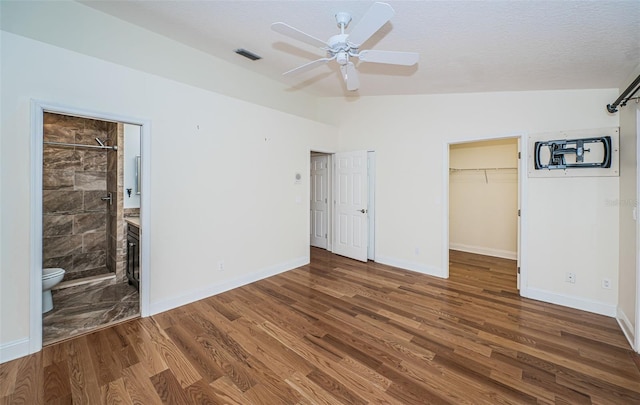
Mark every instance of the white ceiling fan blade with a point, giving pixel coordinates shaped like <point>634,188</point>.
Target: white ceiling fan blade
<point>295,33</point>
<point>372,21</point>
<point>307,67</point>
<point>350,75</point>
<point>390,57</point>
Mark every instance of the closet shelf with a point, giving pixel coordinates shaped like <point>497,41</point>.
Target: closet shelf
<point>483,169</point>
<point>479,169</point>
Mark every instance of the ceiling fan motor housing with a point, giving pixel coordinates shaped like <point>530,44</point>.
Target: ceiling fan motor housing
<point>338,43</point>
<point>339,48</point>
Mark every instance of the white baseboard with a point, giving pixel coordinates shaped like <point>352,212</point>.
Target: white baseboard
<point>582,304</point>
<point>13,350</point>
<point>627,328</point>
<point>208,291</point>
<point>411,266</point>
<point>480,250</point>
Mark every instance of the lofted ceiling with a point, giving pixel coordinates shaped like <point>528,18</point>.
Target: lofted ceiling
<point>464,46</point>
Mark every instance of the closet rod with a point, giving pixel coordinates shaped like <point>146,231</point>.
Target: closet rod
<point>81,146</point>
<point>484,170</point>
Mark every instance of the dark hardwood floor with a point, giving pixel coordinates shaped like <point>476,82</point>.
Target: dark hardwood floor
<point>343,332</point>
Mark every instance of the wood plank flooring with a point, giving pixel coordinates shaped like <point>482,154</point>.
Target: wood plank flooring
<point>343,332</point>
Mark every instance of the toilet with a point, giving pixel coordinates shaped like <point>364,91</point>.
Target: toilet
<point>50,278</point>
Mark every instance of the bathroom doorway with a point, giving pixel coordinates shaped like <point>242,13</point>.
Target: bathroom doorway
<point>83,225</point>
<point>80,220</point>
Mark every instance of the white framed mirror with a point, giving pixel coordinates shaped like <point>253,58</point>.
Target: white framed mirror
<point>132,166</point>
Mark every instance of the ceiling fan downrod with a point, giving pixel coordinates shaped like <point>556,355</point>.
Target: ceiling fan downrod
<point>338,46</point>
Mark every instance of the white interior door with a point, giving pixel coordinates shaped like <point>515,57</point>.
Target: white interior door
<point>351,193</point>
<point>319,204</point>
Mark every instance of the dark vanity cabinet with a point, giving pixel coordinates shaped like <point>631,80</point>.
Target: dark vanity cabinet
<point>133,255</point>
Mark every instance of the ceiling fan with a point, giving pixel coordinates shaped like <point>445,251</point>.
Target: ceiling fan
<point>344,47</point>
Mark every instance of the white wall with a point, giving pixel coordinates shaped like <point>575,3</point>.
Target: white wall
<point>408,134</point>
<point>74,26</point>
<point>483,206</point>
<point>627,300</point>
<point>232,161</point>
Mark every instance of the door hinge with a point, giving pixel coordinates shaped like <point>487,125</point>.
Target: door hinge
<point>518,269</point>
<point>325,236</point>
<point>519,153</point>
<point>518,212</point>
<point>325,200</point>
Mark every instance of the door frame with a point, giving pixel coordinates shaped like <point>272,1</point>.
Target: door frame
<point>38,108</point>
<point>371,172</point>
<point>637,207</point>
<point>522,199</point>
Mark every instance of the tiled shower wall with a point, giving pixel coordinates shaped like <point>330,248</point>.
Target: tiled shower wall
<point>74,181</point>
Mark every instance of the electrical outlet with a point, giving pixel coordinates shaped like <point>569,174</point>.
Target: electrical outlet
<point>606,283</point>
<point>570,277</point>
<point>221,265</point>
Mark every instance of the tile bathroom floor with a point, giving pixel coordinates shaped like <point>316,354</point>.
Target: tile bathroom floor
<point>87,307</point>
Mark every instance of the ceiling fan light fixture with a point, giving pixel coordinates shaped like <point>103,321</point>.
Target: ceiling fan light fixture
<point>342,58</point>
<point>247,54</point>
<point>346,47</point>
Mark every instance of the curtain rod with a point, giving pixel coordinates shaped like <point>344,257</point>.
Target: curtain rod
<point>625,96</point>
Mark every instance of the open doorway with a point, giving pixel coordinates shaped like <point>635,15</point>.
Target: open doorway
<point>319,200</point>
<point>339,182</point>
<point>78,219</point>
<point>83,226</point>
<point>484,211</point>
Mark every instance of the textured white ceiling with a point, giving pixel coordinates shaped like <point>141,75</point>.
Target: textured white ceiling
<point>464,46</point>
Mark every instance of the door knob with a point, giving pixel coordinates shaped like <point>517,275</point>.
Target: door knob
<point>362,210</point>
